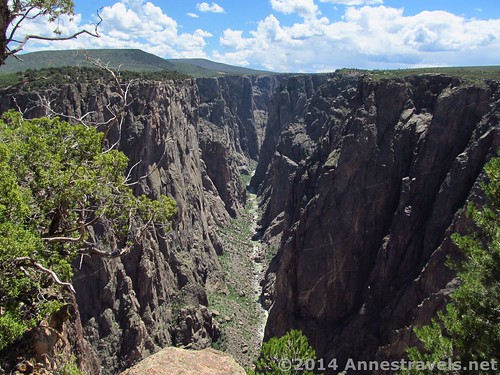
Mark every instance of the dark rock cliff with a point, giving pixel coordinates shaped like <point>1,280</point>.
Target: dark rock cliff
<point>298,114</point>
<point>239,105</point>
<point>156,295</point>
<point>189,140</point>
<point>362,182</point>
<point>371,200</point>
<point>233,113</point>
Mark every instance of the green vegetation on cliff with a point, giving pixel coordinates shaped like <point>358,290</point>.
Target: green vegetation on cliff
<point>472,73</point>
<point>32,80</point>
<point>288,354</point>
<point>127,59</point>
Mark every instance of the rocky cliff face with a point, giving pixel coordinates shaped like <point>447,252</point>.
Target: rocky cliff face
<point>362,182</point>
<point>156,295</point>
<point>188,140</point>
<point>233,114</point>
<point>239,105</point>
<point>376,174</point>
<point>298,115</point>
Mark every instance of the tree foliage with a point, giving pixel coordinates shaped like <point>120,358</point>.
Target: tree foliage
<point>56,184</point>
<point>285,355</point>
<point>52,8</point>
<point>469,328</point>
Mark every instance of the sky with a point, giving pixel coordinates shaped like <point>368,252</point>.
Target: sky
<point>290,35</point>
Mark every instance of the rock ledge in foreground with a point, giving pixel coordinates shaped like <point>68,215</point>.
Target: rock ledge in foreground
<point>176,361</point>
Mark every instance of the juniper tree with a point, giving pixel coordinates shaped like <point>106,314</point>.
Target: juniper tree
<point>289,354</point>
<point>56,184</point>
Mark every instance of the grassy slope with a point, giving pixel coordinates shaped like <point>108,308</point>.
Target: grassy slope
<point>133,60</point>
<point>205,65</point>
<point>125,59</point>
<point>140,61</point>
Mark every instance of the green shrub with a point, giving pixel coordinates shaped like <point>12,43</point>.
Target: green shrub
<point>56,182</point>
<point>285,355</point>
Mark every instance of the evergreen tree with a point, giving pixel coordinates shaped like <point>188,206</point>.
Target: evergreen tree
<point>289,354</point>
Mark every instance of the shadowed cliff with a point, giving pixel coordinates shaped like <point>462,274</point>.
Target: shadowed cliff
<point>361,184</point>
<point>372,196</point>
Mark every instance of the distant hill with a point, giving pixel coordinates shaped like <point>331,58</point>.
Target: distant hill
<point>125,59</point>
<point>201,65</point>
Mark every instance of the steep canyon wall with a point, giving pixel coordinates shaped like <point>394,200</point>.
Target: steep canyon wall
<point>376,175</point>
<point>361,184</point>
<point>187,139</point>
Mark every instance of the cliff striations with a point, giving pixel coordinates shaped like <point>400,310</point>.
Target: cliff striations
<point>376,175</point>
<point>189,140</point>
<point>233,114</point>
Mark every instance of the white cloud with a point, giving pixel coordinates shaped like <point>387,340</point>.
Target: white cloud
<point>127,24</point>
<point>353,2</point>
<point>233,39</point>
<point>369,37</point>
<point>271,45</point>
<point>364,37</point>
<point>304,8</point>
<point>192,15</point>
<point>205,7</point>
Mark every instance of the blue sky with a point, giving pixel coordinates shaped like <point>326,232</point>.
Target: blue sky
<point>293,35</point>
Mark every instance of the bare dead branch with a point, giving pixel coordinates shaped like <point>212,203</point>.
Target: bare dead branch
<point>117,117</point>
<point>69,239</point>
<point>18,107</point>
<point>93,249</point>
<point>28,262</point>
<point>130,171</point>
<point>22,43</point>
<point>80,120</point>
<point>54,276</point>
<point>18,23</point>
<point>20,47</point>
<point>152,170</point>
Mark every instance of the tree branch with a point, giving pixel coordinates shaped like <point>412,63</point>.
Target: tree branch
<point>20,47</point>
<point>92,249</point>
<point>69,239</point>
<point>22,42</point>
<point>18,23</point>
<point>31,263</point>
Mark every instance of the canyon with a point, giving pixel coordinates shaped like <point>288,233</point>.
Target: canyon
<point>360,183</point>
